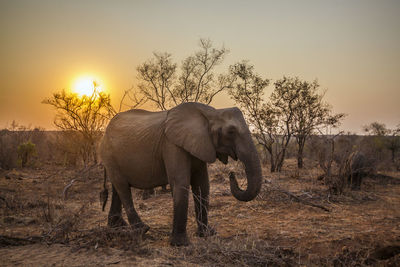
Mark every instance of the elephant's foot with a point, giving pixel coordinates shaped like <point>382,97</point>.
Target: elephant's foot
<point>205,231</point>
<point>116,221</point>
<point>179,240</point>
<point>141,227</point>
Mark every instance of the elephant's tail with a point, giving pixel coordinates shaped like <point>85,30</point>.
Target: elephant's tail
<point>104,193</point>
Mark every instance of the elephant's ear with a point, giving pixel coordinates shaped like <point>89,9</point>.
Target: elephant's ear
<point>187,126</point>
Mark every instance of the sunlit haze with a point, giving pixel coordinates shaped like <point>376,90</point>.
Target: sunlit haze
<point>351,47</point>
<point>85,85</point>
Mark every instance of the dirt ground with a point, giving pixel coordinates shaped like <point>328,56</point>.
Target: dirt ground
<point>42,226</point>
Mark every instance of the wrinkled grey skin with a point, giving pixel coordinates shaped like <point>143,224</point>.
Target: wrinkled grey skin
<point>145,149</point>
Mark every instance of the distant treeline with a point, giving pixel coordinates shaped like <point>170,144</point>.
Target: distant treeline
<point>33,148</point>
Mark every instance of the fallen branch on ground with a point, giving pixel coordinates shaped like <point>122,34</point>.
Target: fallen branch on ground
<point>305,202</point>
<point>296,198</point>
<point>66,188</point>
<point>232,175</point>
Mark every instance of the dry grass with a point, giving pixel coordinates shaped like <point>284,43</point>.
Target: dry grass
<point>362,227</point>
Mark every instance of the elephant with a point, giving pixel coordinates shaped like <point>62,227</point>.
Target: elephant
<point>144,149</point>
<point>355,167</point>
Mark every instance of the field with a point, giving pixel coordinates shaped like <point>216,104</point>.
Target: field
<point>41,226</point>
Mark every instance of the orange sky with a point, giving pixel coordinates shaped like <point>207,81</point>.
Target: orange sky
<point>351,47</point>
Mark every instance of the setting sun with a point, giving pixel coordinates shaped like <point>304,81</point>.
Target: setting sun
<point>86,85</point>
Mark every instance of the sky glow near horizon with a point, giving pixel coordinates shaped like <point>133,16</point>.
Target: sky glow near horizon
<point>351,47</point>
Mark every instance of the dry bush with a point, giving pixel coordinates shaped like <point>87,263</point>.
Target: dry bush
<point>269,194</point>
<point>343,166</point>
<point>14,204</point>
<point>335,184</point>
<point>367,253</point>
<point>67,226</point>
<point>62,222</point>
<point>236,251</point>
<point>350,174</point>
<point>62,228</point>
<point>124,238</point>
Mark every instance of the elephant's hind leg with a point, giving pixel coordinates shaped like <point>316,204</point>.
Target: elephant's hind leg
<point>124,191</point>
<point>115,215</point>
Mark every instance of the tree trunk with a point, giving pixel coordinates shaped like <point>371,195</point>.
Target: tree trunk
<point>272,160</point>
<point>300,156</point>
<point>273,166</point>
<point>280,162</point>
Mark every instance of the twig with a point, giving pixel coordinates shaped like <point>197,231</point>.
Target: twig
<point>81,172</point>
<point>302,200</point>
<point>114,262</point>
<point>66,188</point>
<point>291,195</point>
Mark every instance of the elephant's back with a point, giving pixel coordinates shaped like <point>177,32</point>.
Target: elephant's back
<point>134,128</point>
<point>132,144</point>
<point>136,119</point>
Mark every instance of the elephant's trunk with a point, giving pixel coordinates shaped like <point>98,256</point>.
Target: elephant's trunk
<point>253,172</point>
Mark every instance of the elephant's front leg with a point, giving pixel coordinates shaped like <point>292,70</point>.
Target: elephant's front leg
<point>201,190</point>
<point>177,164</point>
<point>179,235</point>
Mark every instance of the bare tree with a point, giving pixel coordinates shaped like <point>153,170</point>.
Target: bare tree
<point>269,120</point>
<point>376,128</point>
<point>135,99</point>
<point>157,77</point>
<point>310,112</point>
<point>197,82</point>
<point>294,109</point>
<point>283,101</point>
<point>86,115</point>
<point>162,85</point>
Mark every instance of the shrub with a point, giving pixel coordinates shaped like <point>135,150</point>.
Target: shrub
<point>26,152</point>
